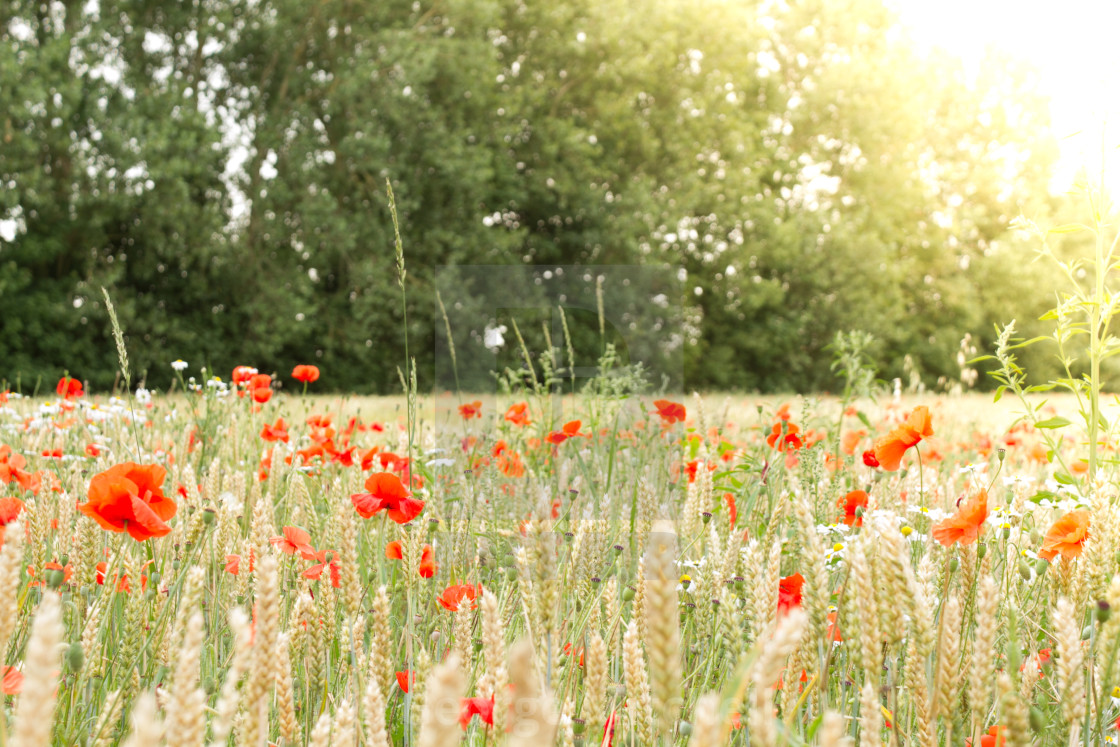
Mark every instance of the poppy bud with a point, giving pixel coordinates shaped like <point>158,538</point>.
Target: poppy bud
<point>1038,720</point>
<point>707,516</point>
<point>627,594</point>
<point>75,657</point>
<point>208,516</point>
<point>209,684</point>
<point>596,580</point>
<point>578,726</point>
<point>153,579</point>
<point>981,551</point>
<point>511,574</point>
<point>1087,632</point>
<point>434,637</point>
<point>954,563</point>
<point>64,560</point>
<point>477,644</point>
<point>1001,453</point>
<point>1041,565</point>
<point>1104,611</point>
<point>618,549</point>
<point>1006,532</point>
<point>1025,570</point>
<point>55,578</point>
<point>684,729</point>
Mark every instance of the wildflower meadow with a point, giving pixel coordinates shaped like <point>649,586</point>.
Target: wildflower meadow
<point>240,559</point>
<point>719,398</point>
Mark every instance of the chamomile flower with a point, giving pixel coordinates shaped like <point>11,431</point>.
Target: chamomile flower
<point>179,365</point>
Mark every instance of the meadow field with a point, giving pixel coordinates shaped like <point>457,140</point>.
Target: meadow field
<point>239,564</point>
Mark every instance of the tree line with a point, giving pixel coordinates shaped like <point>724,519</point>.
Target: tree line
<point>220,168</point>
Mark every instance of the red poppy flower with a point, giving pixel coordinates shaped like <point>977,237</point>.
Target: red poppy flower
<point>964,526</point>
<point>261,387</point>
<point>10,509</point>
<point>242,374</point>
<point>789,593</point>
<point>851,503</point>
<point>93,450</point>
<point>471,410</point>
<point>69,388</point>
<point>294,540</point>
<point>787,440</point>
<point>129,498</point>
<point>453,596</point>
<point>869,458</point>
<point>1066,536</point>
<point>481,707</point>
<point>278,431</point>
<point>316,571</point>
<point>732,510</point>
<point>387,493</point>
<point>122,584</point>
<point>404,678</point>
<point>428,565</point>
<point>670,412</point>
<point>518,414</point>
<point>305,373</point>
<point>233,564</point>
<point>890,448</point>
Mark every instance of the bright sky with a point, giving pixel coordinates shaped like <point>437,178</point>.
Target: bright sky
<point>1075,45</point>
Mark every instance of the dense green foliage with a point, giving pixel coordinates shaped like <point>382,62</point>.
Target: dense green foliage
<point>221,169</point>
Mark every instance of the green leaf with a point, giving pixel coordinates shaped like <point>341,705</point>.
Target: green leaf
<point>863,418</point>
<point>1042,495</point>
<point>1064,479</point>
<point>1054,422</point>
<point>999,393</point>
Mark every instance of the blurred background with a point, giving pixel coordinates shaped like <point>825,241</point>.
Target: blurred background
<point>801,168</point>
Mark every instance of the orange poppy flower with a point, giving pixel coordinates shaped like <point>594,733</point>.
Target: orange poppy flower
<point>471,410</point>
<point>732,509</point>
<point>890,448</point>
<point>518,414</point>
<point>403,679</point>
<point>1066,536</point>
<point>13,681</point>
<point>850,440</point>
<point>454,595</point>
<point>571,430</point>
<point>670,412</point>
<point>964,526</point>
<point>129,498</point>
<point>278,431</point>
<point>851,503</point>
<point>306,374</point>
<point>994,738</point>
<point>387,493</point>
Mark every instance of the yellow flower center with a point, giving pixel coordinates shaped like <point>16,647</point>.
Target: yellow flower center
<point>907,531</point>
